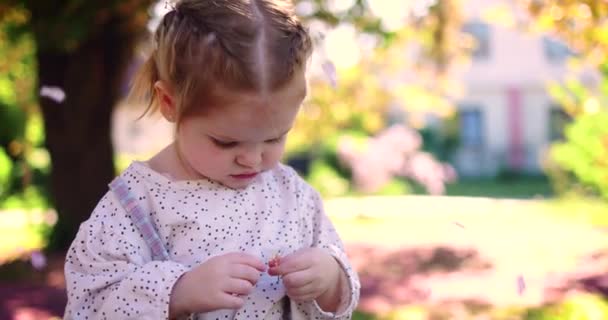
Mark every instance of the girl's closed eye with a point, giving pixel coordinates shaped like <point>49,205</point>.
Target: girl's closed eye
<point>275,140</point>
<point>224,144</point>
<point>231,144</point>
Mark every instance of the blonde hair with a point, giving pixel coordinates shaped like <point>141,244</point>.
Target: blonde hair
<point>206,49</point>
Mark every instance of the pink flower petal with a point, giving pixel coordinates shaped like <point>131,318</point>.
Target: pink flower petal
<point>38,260</point>
<point>521,285</point>
<point>330,71</point>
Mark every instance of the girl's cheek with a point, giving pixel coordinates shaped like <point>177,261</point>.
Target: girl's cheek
<point>277,152</point>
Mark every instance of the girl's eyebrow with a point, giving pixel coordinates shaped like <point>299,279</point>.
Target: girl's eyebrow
<point>224,138</point>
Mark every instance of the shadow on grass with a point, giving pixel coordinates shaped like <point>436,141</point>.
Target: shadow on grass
<point>388,279</point>
<point>592,278</point>
<point>449,310</point>
<point>31,302</point>
<point>27,293</point>
<point>596,282</point>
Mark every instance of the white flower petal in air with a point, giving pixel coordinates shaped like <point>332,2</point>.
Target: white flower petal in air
<point>158,12</point>
<point>330,72</point>
<point>38,260</point>
<point>53,93</point>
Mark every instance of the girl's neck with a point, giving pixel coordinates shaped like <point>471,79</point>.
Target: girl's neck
<point>169,162</point>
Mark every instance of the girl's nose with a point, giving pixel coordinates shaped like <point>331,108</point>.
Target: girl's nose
<point>250,158</point>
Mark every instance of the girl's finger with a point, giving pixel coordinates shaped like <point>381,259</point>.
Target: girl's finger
<point>245,272</point>
<point>230,301</point>
<point>238,286</point>
<point>303,297</point>
<point>298,279</point>
<point>305,290</point>
<point>294,262</point>
<point>247,259</point>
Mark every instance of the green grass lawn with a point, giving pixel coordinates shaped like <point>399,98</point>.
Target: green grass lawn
<point>521,188</point>
<point>383,219</point>
<point>516,188</point>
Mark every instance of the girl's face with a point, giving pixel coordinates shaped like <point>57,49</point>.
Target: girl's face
<point>232,144</point>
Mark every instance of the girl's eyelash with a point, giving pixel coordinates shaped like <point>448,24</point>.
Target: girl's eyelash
<point>231,144</point>
<point>275,140</point>
<point>224,144</point>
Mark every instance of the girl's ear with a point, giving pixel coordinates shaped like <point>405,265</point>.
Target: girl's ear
<point>165,100</point>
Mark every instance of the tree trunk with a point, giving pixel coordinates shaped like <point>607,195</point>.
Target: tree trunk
<point>78,134</point>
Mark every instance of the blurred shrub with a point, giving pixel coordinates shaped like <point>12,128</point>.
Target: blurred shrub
<point>6,167</point>
<point>24,168</point>
<point>353,163</point>
<point>395,152</point>
<point>327,180</point>
<point>358,104</point>
<point>580,162</point>
<point>24,163</point>
<point>442,141</point>
<point>585,151</point>
<point>395,187</point>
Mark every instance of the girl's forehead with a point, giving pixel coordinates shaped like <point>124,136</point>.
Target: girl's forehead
<point>255,115</point>
<point>251,117</point>
<point>253,121</point>
<point>294,89</point>
<point>292,92</point>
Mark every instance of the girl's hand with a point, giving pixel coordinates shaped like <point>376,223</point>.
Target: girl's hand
<point>219,283</point>
<point>311,274</point>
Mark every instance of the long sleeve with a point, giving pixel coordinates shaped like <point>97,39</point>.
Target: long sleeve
<point>109,271</point>
<point>323,235</point>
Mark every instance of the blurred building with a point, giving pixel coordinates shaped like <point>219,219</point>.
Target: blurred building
<point>506,118</point>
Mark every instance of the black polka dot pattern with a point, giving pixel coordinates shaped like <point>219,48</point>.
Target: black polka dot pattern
<point>110,273</point>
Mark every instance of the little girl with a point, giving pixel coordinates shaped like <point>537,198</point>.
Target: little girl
<point>213,226</point>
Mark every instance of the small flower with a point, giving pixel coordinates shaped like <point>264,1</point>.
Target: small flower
<point>275,260</point>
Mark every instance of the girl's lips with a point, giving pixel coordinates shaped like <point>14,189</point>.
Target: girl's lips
<point>244,176</point>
